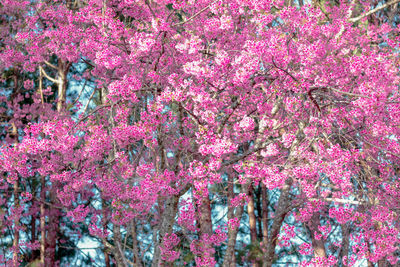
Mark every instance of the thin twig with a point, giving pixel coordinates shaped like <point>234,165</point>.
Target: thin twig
<point>151,10</point>
<point>87,62</point>
<point>288,73</point>
<point>48,203</point>
<point>192,115</point>
<point>80,93</point>
<point>89,114</point>
<point>195,15</point>
<point>90,99</point>
<point>243,156</point>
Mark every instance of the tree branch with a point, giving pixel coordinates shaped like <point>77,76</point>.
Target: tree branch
<point>374,11</point>
<point>195,15</point>
<point>338,91</point>
<point>48,77</point>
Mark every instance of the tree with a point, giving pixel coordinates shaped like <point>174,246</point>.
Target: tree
<point>200,133</point>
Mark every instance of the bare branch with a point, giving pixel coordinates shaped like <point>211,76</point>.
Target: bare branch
<point>90,99</point>
<point>48,77</point>
<point>374,10</point>
<point>195,15</point>
<point>339,91</point>
<point>340,200</point>
<point>51,65</point>
<point>80,93</point>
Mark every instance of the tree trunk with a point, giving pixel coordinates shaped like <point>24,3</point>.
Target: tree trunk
<point>54,214</point>
<point>280,213</point>
<point>265,202</point>
<point>252,220</point>
<point>42,221</point>
<point>206,224</point>
<point>62,84</point>
<point>16,227</point>
<point>168,219</point>
<point>42,195</point>
<point>229,258</point>
<point>33,236</point>
<point>382,263</point>
<point>118,251</point>
<point>252,216</point>
<point>318,244</point>
<point>135,247</point>
<point>258,197</point>
<point>104,241</point>
<point>344,251</point>
<point>14,134</point>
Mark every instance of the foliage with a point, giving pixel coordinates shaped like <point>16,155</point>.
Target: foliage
<point>199,133</point>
